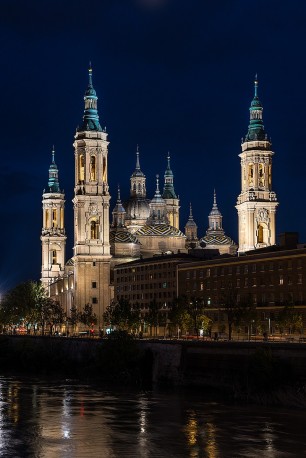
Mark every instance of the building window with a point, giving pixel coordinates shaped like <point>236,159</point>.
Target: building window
<point>260,236</point>
<point>246,269</point>
<point>281,279</point>
<point>54,257</point>
<point>93,284</point>
<point>238,270</point>
<point>94,230</point>
<point>93,168</point>
<point>201,286</point>
<point>94,300</point>
<point>94,264</point>
<point>254,268</point>
<point>238,282</point>
<point>208,273</point>
<point>254,281</point>
<point>300,279</point>
<point>246,282</point>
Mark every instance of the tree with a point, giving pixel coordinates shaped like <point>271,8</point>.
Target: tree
<point>87,316</point>
<point>74,317</point>
<point>23,303</point>
<point>231,307</point>
<point>196,311</point>
<point>179,315</point>
<point>289,318</point>
<point>55,315</point>
<point>152,317</point>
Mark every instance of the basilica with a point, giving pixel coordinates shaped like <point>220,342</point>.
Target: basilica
<point>140,226</point>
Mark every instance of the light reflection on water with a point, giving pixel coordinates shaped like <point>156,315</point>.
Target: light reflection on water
<point>50,419</point>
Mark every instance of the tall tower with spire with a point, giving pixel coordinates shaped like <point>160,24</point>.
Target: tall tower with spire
<point>256,204</point>
<point>53,238</point>
<point>91,210</point>
<point>171,199</point>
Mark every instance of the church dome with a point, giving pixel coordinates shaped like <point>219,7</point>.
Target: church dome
<point>137,208</point>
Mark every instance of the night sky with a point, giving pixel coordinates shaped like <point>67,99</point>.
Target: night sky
<point>171,75</point>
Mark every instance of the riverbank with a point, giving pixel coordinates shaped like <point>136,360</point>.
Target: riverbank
<point>258,372</point>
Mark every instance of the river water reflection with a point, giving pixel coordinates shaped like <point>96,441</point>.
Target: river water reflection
<point>65,419</point>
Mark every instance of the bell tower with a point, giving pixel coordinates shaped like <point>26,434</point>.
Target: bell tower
<point>91,210</point>
<point>256,204</point>
<point>53,238</point>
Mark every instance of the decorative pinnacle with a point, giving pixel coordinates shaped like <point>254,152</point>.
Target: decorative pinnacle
<point>90,74</point>
<point>190,211</point>
<point>53,154</point>
<point>118,194</point>
<point>255,86</point>
<point>168,159</point>
<point>157,184</point>
<point>215,199</point>
<point>137,158</point>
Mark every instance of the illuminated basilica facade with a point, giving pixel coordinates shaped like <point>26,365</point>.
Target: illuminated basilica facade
<point>140,227</point>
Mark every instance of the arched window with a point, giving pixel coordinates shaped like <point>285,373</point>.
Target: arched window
<point>251,174</point>
<point>54,219</point>
<point>104,171</point>
<point>47,218</point>
<point>54,257</point>
<point>94,230</point>
<point>261,175</point>
<point>81,167</point>
<point>93,168</point>
<point>260,236</point>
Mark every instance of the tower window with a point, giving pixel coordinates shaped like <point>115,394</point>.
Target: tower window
<point>81,167</point>
<point>94,300</point>
<point>260,236</point>
<point>54,218</point>
<point>93,284</point>
<point>94,230</point>
<point>93,168</point>
<point>104,171</point>
<point>54,257</point>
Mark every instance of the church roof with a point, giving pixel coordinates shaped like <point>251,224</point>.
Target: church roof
<point>159,230</point>
<point>122,235</point>
<point>217,239</point>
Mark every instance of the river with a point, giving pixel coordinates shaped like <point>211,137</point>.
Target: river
<point>59,419</point>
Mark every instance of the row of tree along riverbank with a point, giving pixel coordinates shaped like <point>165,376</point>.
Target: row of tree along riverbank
<point>262,372</point>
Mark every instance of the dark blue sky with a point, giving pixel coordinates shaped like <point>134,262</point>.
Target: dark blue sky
<point>170,75</point>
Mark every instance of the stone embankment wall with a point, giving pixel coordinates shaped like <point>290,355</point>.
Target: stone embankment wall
<point>221,364</point>
<point>212,364</point>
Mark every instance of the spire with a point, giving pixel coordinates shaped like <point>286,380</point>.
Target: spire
<point>157,192</point>
<point>137,172</point>
<point>90,117</point>
<point>118,212</point>
<point>256,130</point>
<point>53,183</point>
<point>190,221</point>
<point>158,210</point>
<point>191,229</point>
<point>215,209</point>
<point>168,192</point>
<point>215,217</point>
